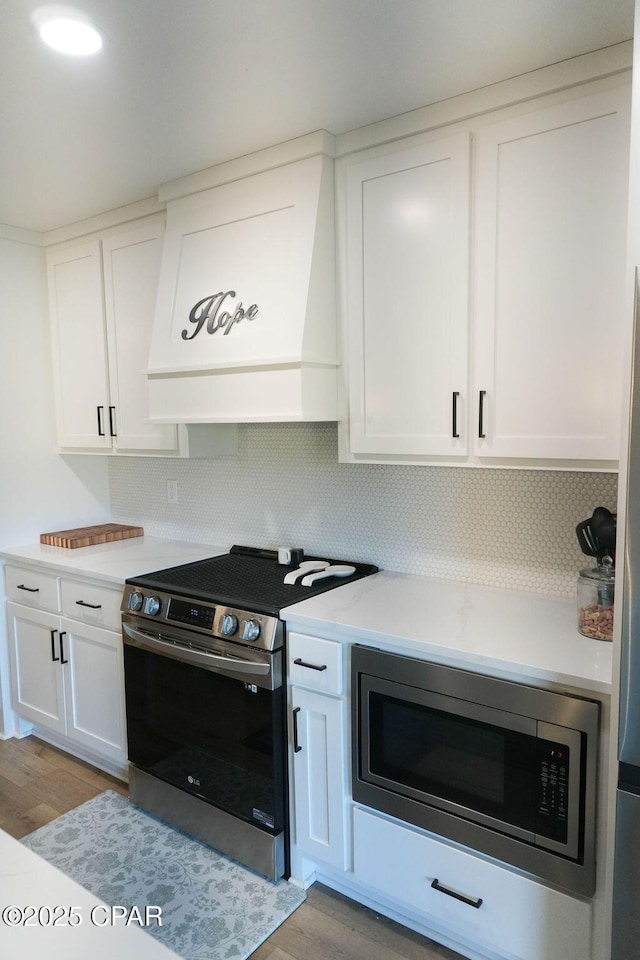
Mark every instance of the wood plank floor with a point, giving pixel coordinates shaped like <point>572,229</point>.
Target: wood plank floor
<point>39,783</point>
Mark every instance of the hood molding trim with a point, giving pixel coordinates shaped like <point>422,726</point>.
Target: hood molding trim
<point>277,363</point>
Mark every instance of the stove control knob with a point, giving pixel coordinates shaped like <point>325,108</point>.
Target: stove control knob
<point>228,625</point>
<point>250,630</point>
<point>135,601</point>
<point>152,606</point>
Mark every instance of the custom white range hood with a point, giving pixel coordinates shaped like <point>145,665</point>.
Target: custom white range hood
<point>245,324</point>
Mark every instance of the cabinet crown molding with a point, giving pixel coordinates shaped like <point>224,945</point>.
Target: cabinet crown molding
<point>321,142</point>
<point>609,62</point>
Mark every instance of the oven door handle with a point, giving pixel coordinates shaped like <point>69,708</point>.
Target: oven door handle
<point>198,658</point>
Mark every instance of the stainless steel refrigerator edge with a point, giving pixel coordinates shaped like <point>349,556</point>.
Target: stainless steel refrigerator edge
<point>626,883</point>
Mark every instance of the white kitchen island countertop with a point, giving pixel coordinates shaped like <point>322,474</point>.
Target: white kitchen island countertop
<point>506,633</point>
<point>112,562</point>
<point>26,880</point>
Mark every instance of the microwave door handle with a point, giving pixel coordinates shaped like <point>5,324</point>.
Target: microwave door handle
<point>196,657</point>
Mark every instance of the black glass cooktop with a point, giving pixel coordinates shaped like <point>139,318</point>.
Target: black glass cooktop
<point>246,578</point>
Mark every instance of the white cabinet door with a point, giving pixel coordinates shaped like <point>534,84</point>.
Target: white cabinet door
<point>36,676</point>
<point>94,679</point>
<point>131,269</point>
<point>102,298</point>
<point>320,776</point>
<point>549,280</point>
<point>405,298</point>
<point>78,346</point>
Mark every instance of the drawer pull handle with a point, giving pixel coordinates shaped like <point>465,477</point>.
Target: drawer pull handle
<point>63,633</point>
<point>53,646</point>
<point>92,606</point>
<point>21,586</point>
<point>450,892</point>
<point>296,746</point>
<point>310,666</point>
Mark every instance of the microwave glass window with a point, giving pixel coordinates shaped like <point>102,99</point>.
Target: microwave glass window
<point>476,765</point>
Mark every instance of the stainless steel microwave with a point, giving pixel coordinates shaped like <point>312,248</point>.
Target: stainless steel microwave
<point>506,769</point>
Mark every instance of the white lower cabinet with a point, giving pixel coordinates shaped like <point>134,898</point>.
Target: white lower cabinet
<point>470,900</point>
<point>319,777</point>
<point>320,751</point>
<point>37,681</point>
<point>67,675</point>
<point>94,689</point>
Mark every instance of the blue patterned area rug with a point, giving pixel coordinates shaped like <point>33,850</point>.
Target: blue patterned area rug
<point>212,908</point>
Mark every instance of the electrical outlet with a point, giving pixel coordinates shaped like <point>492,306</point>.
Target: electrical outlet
<point>172,491</point>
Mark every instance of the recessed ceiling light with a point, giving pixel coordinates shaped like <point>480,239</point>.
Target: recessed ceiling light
<point>66,30</point>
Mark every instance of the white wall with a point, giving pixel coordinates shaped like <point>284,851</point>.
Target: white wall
<point>39,490</point>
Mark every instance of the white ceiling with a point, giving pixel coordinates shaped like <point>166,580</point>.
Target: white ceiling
<point>183,84</point>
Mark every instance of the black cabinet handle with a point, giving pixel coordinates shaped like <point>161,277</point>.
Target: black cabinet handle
<point>21,586</point>
<point>481,433</point>
<point>454,415</point>
<point>112,422</point>
<point>63,633</point>
<point>53,646</point>
<point>310,666</point>
<point>296,746</point>
<point>450,892</point>
<point>99,415</point>
<point>92,606</point>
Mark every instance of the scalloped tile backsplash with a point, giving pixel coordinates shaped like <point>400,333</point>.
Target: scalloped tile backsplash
<point>503,528</point>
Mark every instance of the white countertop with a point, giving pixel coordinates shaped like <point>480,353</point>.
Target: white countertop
<point>113,562</point>
<point>504,633</point>
<point>26,880</point>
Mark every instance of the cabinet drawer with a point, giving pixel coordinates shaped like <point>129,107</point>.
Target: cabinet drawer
<point>32,588</point>
<point>315,663</point>
<point>91,603</point>
<point>518,918</point>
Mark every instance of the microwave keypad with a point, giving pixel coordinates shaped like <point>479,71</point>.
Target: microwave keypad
<point>553,790</point>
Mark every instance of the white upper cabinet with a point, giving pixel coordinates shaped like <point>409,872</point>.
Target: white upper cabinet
<point>512,355</point>
<point>78,345</point>
<point>102,295</point>
<point>131,268</point>
<point>550,237</point>
<point>405,296</point>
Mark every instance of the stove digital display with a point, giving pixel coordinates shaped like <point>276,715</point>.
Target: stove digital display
<point>183,611</point>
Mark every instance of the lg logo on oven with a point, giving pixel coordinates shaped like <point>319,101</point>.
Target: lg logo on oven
<point>193,781</point>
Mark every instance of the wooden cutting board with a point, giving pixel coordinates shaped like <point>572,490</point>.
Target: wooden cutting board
<point>88,536</point>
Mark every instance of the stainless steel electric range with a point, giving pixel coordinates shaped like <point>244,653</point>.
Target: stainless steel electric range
<point>205,695</point>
